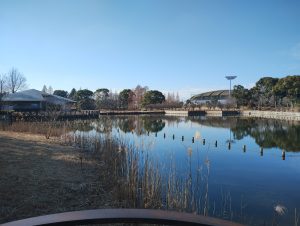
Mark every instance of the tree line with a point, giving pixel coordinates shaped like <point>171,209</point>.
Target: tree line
<point>269,92</point>
<point>128,99</point>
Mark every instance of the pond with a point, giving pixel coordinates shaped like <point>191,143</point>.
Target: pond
<point>241,169</point>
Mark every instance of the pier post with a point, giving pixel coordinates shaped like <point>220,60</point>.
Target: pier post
<point>283,155</point>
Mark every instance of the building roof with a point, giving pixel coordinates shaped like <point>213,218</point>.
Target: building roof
<point>33,95</point>
<point>211,94</point>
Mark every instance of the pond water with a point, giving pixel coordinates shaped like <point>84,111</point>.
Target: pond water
<point>251,167</point>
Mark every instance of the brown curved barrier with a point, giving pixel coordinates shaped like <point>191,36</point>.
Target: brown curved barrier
<point>105,216</point>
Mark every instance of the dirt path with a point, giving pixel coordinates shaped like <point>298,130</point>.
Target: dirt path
<point>39,176</point>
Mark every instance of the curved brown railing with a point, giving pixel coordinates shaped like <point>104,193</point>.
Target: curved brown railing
<point>106,216</point>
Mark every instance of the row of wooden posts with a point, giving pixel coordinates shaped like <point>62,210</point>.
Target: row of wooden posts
<point>216,144</point>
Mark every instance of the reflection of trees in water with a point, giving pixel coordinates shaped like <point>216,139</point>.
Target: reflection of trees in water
<point>174,120</point>
<point>140,124</point>
<point>137,124</point>
<point>127,124</point>
<point>269,133</point>
<point>220,122</point>
<point>154,125</point>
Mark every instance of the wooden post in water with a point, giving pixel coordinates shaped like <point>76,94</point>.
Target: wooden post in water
<point>244,148</point>
<point>173,136</point>
<point>182,138</point>
<point>155,134</point>
<point>164,135</point>
<point>203,141</point>
<point>261,151</point>
<point>283,155</point>
<point>216,143</point>
<point>229,146</point>
<point>193,140</point>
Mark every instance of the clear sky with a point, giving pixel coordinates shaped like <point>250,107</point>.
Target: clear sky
<point>170,45</point>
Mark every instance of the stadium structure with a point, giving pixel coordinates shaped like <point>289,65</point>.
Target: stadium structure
<point>221,96</point>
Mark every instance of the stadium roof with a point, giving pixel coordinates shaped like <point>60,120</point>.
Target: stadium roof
<point>211,94</point>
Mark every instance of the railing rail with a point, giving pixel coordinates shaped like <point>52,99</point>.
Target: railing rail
<point>107,216</point>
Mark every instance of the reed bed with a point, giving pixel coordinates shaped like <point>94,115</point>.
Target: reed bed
<point>138,180</point>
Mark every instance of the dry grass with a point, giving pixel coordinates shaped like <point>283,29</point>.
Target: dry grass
<point>40,176</point>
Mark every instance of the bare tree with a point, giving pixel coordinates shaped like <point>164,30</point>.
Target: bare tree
<point>15,80</point>
<point>50,90</point>
<point>2,88</point>
<point>2,84</point>
<point>139,92</point>
<point>45,90</point>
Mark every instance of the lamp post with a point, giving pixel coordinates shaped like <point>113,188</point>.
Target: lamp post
<point>230,78</point>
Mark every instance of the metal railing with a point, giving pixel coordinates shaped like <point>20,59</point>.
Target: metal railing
<point>107,216</point>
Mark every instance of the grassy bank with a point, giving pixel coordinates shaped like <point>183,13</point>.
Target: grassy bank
<point>40,176</point>
<point>73,172</point>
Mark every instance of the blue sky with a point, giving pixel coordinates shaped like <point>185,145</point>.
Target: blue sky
<point>169,45</point>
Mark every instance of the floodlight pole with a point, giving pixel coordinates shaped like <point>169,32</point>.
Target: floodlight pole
<point>230,78</point>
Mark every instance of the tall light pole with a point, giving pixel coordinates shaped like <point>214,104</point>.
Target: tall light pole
<point>230,78</point>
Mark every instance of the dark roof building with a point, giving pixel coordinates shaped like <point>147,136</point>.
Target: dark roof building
<point>33,100</point>
<point>219,95</point>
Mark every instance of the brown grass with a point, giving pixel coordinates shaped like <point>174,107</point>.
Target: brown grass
<point>40,176</point>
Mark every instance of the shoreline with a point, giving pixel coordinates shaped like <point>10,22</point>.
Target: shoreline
<point>288,116</point>
<point>280,115</point>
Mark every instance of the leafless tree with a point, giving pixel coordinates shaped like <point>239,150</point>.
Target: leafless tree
<point>50,90</point>
<point>45,90</point>
<point>139,93</point>
<point>2,88</point>
<point>2,84</point>
<point>15,80</point>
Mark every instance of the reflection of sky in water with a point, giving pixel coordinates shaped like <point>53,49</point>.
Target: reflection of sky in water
<point>260,181</point>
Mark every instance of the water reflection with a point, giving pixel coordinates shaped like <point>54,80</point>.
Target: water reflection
<point>129,124</point>
<point>267,133</point>
<point>154,125</point>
